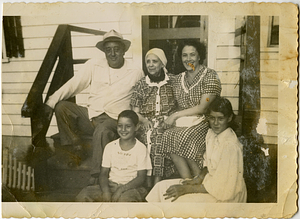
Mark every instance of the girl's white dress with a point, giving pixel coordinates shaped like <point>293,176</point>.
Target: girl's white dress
<point>224,181</point>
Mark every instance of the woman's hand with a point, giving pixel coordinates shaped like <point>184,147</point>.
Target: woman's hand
<point>170,121</point>
<point>176,191</point>
<point>147,124</point>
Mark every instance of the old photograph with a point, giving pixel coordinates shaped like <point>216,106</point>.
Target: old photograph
<point>149,110</point>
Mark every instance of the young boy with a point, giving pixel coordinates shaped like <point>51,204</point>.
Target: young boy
<point>124,166</point>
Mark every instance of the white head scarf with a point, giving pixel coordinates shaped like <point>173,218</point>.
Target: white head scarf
<point>161,55</point>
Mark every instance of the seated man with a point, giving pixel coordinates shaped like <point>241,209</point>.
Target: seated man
<point>111,82</point>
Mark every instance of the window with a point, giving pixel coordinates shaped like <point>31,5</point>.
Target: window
<point>156,22</point>
<point>12,45</point>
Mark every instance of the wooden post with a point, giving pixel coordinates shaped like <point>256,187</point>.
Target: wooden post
<point>250,77</point>
<point>4,170</point>
<point>19,175</point>
<point>33,183</point>
<point>28,178</point>
<point>9,171</point>
<point>23,177</point>
<point>14,173</point>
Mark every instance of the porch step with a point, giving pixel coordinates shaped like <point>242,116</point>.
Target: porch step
<point>60,174</point>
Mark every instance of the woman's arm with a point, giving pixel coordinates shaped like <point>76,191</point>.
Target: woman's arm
<point>135,183</point>
<point>104,184</point>
<point>206,99</point>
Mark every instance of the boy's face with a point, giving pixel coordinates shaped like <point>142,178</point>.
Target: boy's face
<point>218,122</point>
<point>126,128</point>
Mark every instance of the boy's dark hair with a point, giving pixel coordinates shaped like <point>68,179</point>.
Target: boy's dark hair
<point>130,115</point>
<point>200,47</point>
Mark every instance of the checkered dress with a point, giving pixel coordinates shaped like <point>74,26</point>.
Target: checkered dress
<point>189,142</point>
<point>145,98</point>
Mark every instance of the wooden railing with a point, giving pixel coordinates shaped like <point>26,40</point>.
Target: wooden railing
<point>60,51</point>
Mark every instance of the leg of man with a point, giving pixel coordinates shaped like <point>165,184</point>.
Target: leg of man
<point>72,121</point>
<point>105,132</point>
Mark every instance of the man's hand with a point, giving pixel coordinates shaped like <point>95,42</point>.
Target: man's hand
<point>48,111</point>
<point>175,191</point>
<point>106,197</point>
<point>117,194</point>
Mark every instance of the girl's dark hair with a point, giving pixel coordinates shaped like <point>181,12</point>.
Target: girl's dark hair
<point>200,47</point>
<point>222,105</point>
<point>130,115</point>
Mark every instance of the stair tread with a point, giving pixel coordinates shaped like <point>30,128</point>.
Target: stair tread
<point>61,159</point>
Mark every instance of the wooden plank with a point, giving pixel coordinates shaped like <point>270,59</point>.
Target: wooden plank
<point>11,109</point>
<point>27,66</point>
<point>23,130</point>
<point>227,25</point>
<point>229,77</point>
<point>269,78</point>
<point>20,77</point>
<point>271,117</point>
<point>230,52</point>
<point>230,90</point>
<point>269,91</point>
<point>13,98</point>
<point>269,65</point>
<point>270,139</point>
<point>225,39</point>
<point>269,104</point>
<point>269,55</point>
<point>228,65</point>
<point>42,31</point>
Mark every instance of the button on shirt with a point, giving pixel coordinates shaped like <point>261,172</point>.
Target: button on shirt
<point>110,89</point>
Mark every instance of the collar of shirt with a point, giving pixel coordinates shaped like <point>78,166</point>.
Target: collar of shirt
<point>159,84</point>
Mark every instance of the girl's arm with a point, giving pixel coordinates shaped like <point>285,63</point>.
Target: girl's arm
<point>206,99</point>
<point>135,183</point>
<point>148,124</point>
<point>104,184</point>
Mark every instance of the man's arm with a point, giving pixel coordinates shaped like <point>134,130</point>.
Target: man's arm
<point>104,184</point>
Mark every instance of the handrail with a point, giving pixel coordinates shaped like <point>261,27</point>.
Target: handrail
<point>60,51</point>
<point>46,68</point>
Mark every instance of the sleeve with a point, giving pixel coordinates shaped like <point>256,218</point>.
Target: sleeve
<point>75,85</point>
<point>107,156</point>
<point>143,159</point>
<point>137,95</point>
<point>223,183</point>
<point>211,83</point>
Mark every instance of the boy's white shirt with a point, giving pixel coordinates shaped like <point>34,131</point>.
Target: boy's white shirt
<point>125,164</point>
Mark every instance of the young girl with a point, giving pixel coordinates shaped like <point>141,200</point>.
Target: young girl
<point>124,166</point>
<point>221,180</point>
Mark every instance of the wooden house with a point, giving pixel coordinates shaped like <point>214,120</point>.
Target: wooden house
<point>232,41</point>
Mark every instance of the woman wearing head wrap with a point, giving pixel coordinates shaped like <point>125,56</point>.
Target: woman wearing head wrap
<point>153,101</point>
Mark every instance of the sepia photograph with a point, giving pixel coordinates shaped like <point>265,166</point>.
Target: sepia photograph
<point>149,110</point>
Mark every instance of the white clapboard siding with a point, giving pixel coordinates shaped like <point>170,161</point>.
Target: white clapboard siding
<point>229,77</point>
<point>228,65</point>
<point>269,78</point>
<point>228,52</point>
<point>269,91</point>
<point>23,130</point>
<point>225,39</point>
<point>270,117</point>
<point>230,90</point>
<point>270,139</point>
<point>269,65</point>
